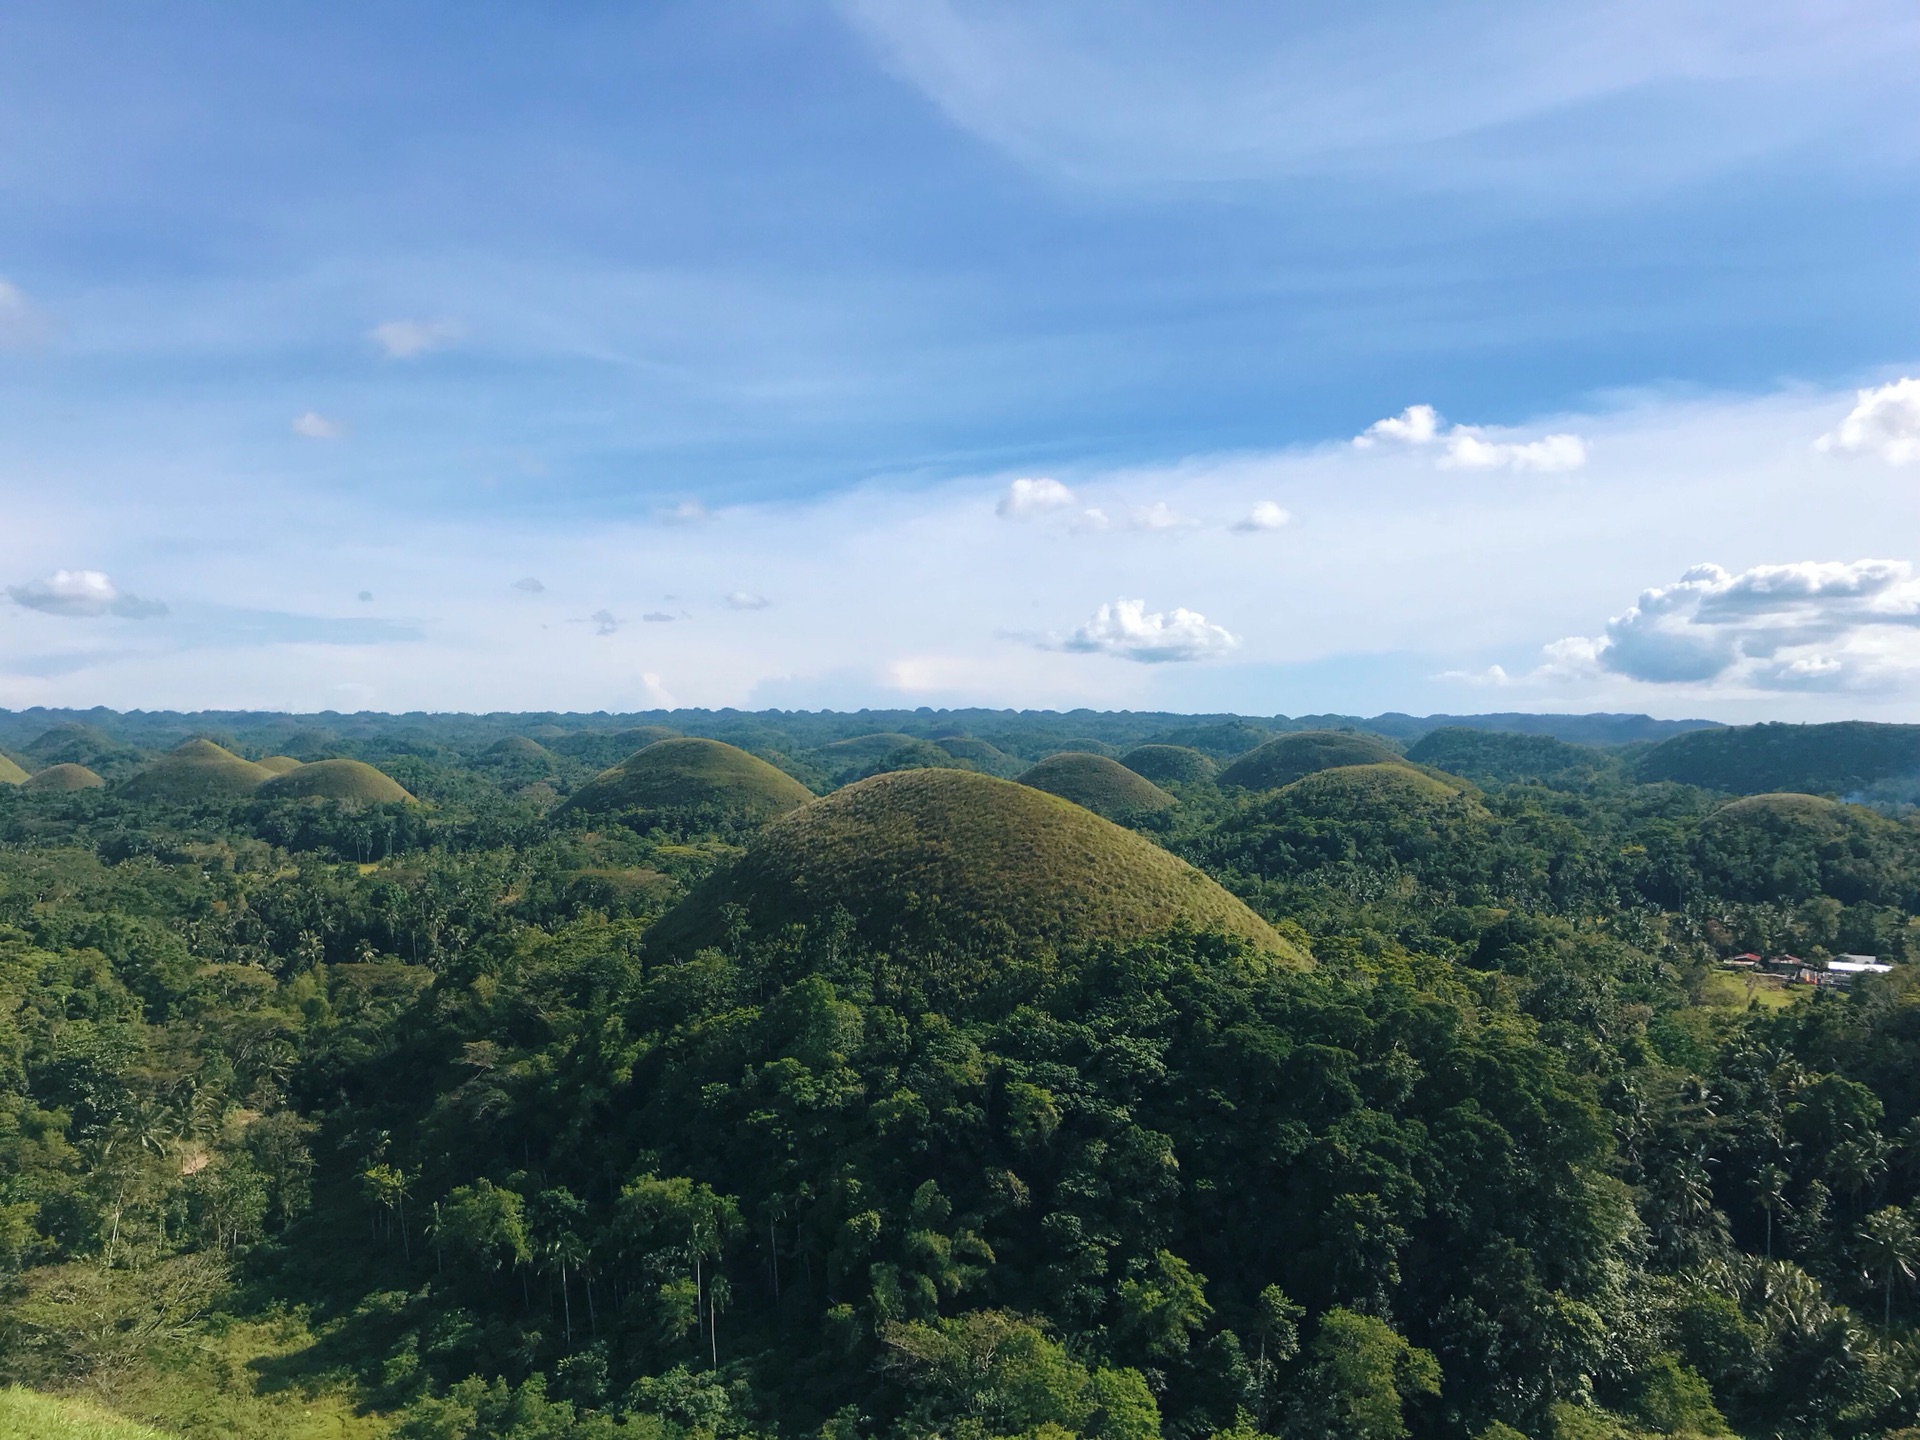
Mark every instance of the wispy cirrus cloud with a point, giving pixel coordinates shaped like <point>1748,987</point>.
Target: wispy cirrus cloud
<point>410,339</point>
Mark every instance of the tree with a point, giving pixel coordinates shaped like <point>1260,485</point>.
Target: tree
<point>1890,1247</point>
<point>1363,1374</point>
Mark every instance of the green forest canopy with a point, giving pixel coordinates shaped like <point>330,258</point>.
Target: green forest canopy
<point>942,1105</point>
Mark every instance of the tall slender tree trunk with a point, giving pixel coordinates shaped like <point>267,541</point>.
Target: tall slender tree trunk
<point>566,1305</point>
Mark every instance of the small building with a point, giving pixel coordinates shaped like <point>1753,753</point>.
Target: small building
<point>1842,970</point>
<point>1749,961</point>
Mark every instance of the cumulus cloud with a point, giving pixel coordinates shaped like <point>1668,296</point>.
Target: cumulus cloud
<point>1029,497</point>
<point>1813,625</point>
<point>687,512</point>
<point>1264,516</point>
<point>82,595</point>
<point>1884,422</point>
<point>1467,447</point>
<point>1415,425</point>
<point>530,585</point>
<point>747,600</point>
<point>314,426</point>
<point>406,339</point>
<point>1125,629</point>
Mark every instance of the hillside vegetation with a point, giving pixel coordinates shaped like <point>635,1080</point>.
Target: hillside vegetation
<point>1283,760</point>
<point>10,773</point>
<point>1103,786</point>
<point>1493,756</point>
<point>967,857</point>
<point>25,1415</point>
<point>1837,759</point>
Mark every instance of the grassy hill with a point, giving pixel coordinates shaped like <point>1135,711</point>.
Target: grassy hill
<point>688,774</point>
<point>1345,788</point>
<point>522,748</point>
<point>1221,742</point>
<point>56,778</point>
<point>10,773</point>
<point>1502,756</point>
<point>197,770</point>
<point>1838,759</point>
<point>1791,847</point>
<point>1169,764</point>
<point>1283,760</point>
<point>278,764</point>
<point>29,1415</point>
<point>1103,786</point>
<point>350,780</point>
<point>930,853</point>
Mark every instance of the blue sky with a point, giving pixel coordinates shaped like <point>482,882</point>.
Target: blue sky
<point>746,318</point>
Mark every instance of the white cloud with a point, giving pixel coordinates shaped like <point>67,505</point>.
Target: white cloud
<point>1090,522</point>
<point>1159,516</point>
<point>747,600</point>
<point>1415,425</point>
<point>530,585</point>
<point>687,512</point>
<point>407,339</point>
<point>605,622</point>
<point>1265,515</point>
<point>82,595</point>
<point>1466,447</point>
<point>1812,625</point>
<point>1125,629</point>
<point>1468,450</point>
<point>1027,497</point>
<point>1884,422</point>
<point>315,426</point>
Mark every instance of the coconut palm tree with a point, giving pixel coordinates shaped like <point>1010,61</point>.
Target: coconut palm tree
<point>1890,1246</point>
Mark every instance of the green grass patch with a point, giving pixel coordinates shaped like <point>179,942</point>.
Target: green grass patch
<point>29,1415</point>
<point>1169,764</point>
<point>686,774</point>
<point>350,780</point>
<point>57,779</point>
<point>197,770</point>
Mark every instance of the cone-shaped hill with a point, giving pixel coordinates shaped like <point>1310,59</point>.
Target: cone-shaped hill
<point>1782,811</point>
<point>1283,760</point>
<point>354,781</point>
<point>688,774</point>
<point>10,773</point>
<point>517,748</point>
<point>1169,764</point>
<point>981,755</point>
<point>278,764</point>
<point>57,778</point>
<point>1103,786</point>
<point>197,770</point>
<point>921,853</point>
<point>1347,788</point>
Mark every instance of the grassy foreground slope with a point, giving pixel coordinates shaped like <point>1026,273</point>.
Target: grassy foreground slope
<point>920,851</point>
<point>197,770</point>
<point>10,773</point>
<point>1284,760</point>
<point>688,774</point>
<point>352,780</point>
<point>1103,786</point>
<point>29,1415</point>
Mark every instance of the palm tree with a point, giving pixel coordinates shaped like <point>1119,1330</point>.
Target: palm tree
<point>1891,1247</point>
<point>1770,1192</point>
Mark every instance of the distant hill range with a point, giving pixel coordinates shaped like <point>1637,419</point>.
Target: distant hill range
<point>1849,758</point>
<point>1012,738</point>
